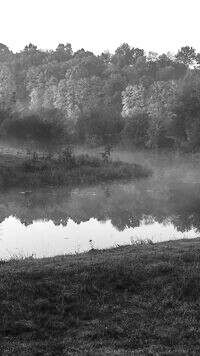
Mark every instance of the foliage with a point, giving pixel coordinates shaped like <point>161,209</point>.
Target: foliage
<point>186,55</point>
<point>136,129</point>
<point>160,112</point>
<point>44,131</point>
<point>7,87</point>
<point>186,110</point>
<point>62,53</point>
<point>4,115</point>
<point>99,126</point>
<point>134,101</point>
<point>98,96</point>
<point>148,112</point>
<point>125,55</point>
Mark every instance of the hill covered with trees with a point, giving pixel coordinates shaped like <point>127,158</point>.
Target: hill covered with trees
<point>151,100</point>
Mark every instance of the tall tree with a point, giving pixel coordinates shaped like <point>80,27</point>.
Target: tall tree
<point>125,55</point>
<point>186,55</point>
<point>7,87</point>
<point>159,109</point>
<point>5,54</point>
<point>186,110</point>
<point>62,52</point>
<point>134,101</point>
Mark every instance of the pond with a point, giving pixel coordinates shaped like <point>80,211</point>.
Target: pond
<point>61,220</point>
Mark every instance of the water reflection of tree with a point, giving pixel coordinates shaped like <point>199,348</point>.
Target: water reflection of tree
<point>125,205</point>
<point>125,220</point>
<point>185,223</point>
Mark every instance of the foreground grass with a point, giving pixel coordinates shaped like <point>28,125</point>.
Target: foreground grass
<point>134,300</point>
<point>40,171</point>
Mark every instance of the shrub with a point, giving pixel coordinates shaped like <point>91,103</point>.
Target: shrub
<point>136,129</point>
<point>99,127</point>
<point>42,131</point>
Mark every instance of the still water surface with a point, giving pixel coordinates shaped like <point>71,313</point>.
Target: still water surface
<point>52,221</point>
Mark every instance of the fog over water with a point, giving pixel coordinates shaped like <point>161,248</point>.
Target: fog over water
<point>60,220</point>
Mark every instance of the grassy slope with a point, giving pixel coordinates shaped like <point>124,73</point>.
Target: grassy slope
<point>133,300</point>
<point>18,170</point>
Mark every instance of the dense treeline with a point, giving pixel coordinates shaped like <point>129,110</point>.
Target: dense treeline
<point>57,96</point>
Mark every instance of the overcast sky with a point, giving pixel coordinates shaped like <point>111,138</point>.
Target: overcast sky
<point>98,25</point>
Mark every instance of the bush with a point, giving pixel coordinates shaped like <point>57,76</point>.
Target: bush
<point>43,131</point>
<point>4,114</point>
<point>136,129</point>
<point>99,127</point>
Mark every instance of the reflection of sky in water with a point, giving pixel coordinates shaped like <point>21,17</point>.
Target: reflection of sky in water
<point>44,239</point>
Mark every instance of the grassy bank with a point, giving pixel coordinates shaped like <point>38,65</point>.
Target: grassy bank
<point>64,169</point>
<point>134,300</point>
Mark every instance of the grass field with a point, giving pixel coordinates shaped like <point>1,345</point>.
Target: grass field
<point>142,299</point>
<point>20,169</point>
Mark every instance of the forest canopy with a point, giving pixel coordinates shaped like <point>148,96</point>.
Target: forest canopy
<point>148,99</point>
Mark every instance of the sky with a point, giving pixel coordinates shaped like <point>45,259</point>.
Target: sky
<point>99,25</point>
